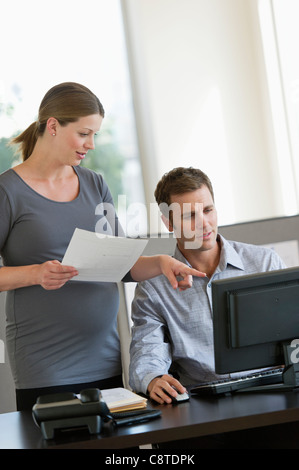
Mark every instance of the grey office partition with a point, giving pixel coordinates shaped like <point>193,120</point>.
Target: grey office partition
<point>262,232</point>
<point>258,232</point>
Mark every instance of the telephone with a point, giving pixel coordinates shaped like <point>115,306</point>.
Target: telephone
<point>88,409</point>
<point>67,410</point>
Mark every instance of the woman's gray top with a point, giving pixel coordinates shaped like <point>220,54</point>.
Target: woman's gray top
<point>62,336</point>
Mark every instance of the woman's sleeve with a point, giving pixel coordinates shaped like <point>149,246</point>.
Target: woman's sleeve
<point>107,209</point>
<point>5,218</point>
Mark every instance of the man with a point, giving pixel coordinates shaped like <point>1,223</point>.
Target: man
<point>174,329</point>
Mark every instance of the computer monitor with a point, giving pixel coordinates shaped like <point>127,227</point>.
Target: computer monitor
<point>256,322</point>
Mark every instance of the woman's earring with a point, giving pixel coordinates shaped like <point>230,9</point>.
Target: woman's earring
<point>53,134</point>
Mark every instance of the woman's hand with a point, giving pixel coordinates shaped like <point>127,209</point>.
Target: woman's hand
<point>50,275</point>
<point>172,268</point>
<point>53,275</point>
<point>150,266</point>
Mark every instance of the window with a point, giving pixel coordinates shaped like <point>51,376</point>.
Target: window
<point>42,45</point>
<point>280,39</point>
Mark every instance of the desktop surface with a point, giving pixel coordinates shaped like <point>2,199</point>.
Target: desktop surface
<point>195,418</point>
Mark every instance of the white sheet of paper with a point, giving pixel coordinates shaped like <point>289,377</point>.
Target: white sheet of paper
<point>102,258</point>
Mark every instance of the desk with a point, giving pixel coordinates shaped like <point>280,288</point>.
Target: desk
<point>198,417</point>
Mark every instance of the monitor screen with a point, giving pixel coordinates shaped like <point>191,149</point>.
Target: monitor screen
<point>253,317</point>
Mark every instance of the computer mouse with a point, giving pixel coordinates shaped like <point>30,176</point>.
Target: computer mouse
<point>181,397</point>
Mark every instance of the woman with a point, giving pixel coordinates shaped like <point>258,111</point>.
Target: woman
<point>61,335</point>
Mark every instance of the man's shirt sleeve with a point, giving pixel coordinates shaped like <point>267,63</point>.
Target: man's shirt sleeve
<point>150,351</point>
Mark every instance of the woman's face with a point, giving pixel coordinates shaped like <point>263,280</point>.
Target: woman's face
<point>73,141</point>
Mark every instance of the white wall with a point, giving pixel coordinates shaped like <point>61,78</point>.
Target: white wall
<point>201,99</point>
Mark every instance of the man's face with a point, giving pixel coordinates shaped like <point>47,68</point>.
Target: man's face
<point>194,220</point>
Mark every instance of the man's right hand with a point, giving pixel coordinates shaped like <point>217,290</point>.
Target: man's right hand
<point>160,388</point>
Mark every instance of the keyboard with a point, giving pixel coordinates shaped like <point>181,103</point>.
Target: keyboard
<point>230,385</point>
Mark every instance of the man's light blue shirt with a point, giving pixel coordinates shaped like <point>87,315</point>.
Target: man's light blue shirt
<point>176,327</point>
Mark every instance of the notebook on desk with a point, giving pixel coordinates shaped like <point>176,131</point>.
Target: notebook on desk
<point>122,399</point>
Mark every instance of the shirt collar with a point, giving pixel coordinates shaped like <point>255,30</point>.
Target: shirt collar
<point>228,256</point>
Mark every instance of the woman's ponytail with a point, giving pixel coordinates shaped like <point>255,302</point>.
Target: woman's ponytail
<point>27,140</point>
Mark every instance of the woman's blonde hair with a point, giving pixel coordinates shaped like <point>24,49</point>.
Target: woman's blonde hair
<point>67,102</point>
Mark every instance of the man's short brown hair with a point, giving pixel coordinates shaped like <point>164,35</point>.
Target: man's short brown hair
<point>181,180</point>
